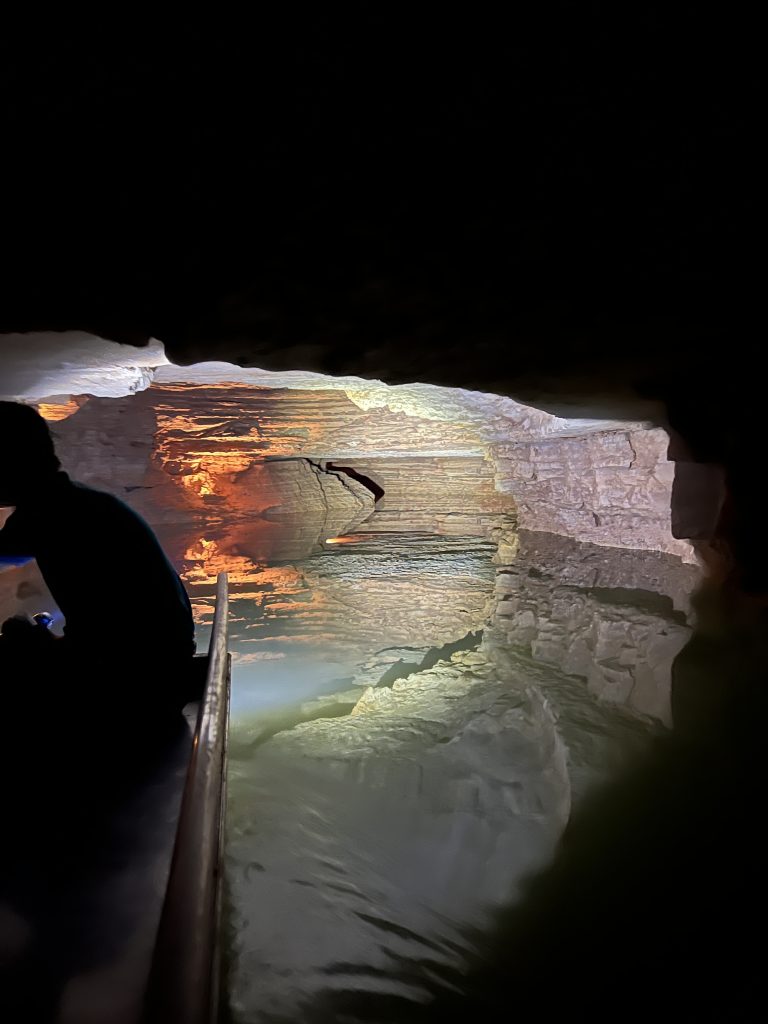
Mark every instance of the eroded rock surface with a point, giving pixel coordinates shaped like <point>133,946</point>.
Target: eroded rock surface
<point>189,440</point>
<point>449,495</point>
<point>211,473</point>
<point>613,488</point>
<point>344,612</point>
<point>615,619</point>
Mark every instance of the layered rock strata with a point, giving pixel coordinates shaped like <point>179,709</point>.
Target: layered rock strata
<point>608,483</point>
<point>616,620</point>
<point>449,495</point>
<point>348,602</point>
<point>613,488</point>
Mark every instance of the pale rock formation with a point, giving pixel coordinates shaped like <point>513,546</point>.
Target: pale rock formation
<point>492,415</point>
<point>449,495</point>
<point>613,488</point>
<point>126,447</point>
<point>38,365</point>
<point>190,448</point>
<point>344,612</point>
<point>606,481</point>
<point>391,592</point>
<point>109,443</point>
<point>615,620</point>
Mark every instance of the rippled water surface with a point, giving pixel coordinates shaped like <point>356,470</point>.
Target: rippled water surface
<point>413,723</point>
<point>374,829</point>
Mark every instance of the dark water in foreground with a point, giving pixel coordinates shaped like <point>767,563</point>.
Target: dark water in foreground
<point>412,727</point>
<point>374,832</point>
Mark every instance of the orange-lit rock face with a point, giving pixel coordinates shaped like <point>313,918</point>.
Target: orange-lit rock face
<point>206,559</point>
<point>207,437</point>
<point>231,420</point>
<point>214,442</point>
<point>191,452</point>
<point>343,604</point>
<point>279,511</point>
<point>364,536</point>
<point>257,590</point>
<point>205,466</point>
<point>57,411</point>
<point>277,459</point>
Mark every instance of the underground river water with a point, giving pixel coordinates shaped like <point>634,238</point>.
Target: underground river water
<point>414,719</point>
<point>412,724</point>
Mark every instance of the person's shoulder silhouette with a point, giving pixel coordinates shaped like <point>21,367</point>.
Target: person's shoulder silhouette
<point>93,550</point>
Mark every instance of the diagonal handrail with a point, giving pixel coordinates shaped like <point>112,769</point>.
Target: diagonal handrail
<point>183,984</point>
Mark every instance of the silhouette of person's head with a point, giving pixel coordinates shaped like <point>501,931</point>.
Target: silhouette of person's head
<point>27,457</point>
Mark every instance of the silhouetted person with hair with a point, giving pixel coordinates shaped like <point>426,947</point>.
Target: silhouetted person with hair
<point>88,718</point>
<point>94,552</point>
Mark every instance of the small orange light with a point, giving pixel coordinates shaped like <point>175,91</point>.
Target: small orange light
<point>56,411</point>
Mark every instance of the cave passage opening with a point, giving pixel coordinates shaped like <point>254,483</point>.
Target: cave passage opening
<point>452,613</point>
<point>258,472</point>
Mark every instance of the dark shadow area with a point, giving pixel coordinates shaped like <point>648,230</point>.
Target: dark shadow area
<point>566,215</point>
<point>402,669</point>
<point>389,224</point>
<point>94,743</point>
<point>278,722</point>
<point>376,490</point>
<point>90,822</point>
<point>651,907</point>
<point>647,600</point>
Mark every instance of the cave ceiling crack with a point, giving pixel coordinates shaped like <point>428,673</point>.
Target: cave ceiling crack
<point>633,460</point>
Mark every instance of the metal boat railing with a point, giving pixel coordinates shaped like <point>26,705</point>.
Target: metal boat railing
<point>184,980</point>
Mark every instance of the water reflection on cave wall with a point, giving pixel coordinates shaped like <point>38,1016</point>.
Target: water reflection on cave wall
<point>378,835</point>
<point>298,627</point>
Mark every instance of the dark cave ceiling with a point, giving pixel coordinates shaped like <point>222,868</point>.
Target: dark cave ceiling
<point>536,210</point>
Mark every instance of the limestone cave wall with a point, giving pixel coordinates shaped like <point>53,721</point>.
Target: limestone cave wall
<point>239,476</point>
<point>452,461</point>
<point>614,619</point>
<point>610,488</point>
